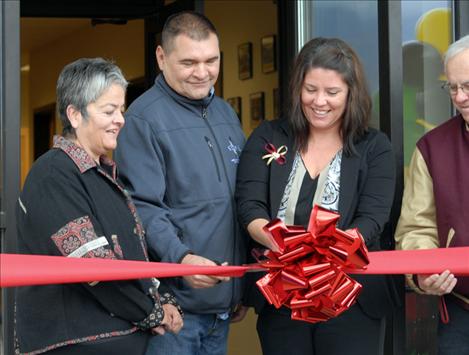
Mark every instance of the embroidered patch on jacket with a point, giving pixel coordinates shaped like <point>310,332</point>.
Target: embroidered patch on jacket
<point>78,238</point>
<point>235,149</point>
<point>76,153</point>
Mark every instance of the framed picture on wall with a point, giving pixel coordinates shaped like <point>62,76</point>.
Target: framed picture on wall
<point>235,103</point>
<point>256,101</point>
<point>245,61</point>
<point>268,54</point>
<point>219,83</point>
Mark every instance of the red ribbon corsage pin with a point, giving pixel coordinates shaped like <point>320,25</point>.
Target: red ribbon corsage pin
<point>275,154</point>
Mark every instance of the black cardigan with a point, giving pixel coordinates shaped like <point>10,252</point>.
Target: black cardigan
<point>68,201</point>
<point>366,194</point>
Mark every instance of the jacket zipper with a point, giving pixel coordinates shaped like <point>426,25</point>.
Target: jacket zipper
<point>210,146</point>
<point>233,203</point>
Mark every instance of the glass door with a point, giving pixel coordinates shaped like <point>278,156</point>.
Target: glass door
<point>426,34</point>
<point>427,31</point>
<point>355,22</point>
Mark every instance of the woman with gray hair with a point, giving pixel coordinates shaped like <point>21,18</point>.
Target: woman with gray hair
<point>73,205</point>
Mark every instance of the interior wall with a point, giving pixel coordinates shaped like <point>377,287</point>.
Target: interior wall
<point>123,44</point>
<point>237,22</point>
<point>26,151</point>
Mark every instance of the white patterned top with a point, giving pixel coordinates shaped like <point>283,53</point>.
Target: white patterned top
<point>326,193</point>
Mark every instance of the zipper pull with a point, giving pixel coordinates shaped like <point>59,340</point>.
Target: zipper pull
<point>204,113</point>
<point>209,143</point>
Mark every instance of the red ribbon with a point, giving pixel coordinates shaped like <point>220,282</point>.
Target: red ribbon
<point>423,262</point>
<point>29,270</point>
<point>307,274</point>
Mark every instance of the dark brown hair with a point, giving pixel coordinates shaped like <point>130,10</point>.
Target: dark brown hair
<point>332,54</point>
<point>192,24</point>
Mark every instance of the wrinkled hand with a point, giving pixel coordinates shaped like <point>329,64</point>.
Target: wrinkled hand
<point>172,321</point>
<point>239,313</point>
<point>437,284</point>
<point>202,281</point>
<point>175,321</point>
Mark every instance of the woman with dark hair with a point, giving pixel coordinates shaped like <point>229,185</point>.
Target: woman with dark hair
<point>322,153</point>
<point>73,205</point>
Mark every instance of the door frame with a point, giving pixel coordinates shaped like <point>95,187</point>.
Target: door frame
<point>9,148</point>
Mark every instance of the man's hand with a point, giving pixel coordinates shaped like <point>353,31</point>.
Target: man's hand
<point>172,321</point>
<point>437,284</point>
<point>239,313</point>
<point>202,281</point>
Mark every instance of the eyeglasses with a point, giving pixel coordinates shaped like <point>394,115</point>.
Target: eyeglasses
<point>452,89</point>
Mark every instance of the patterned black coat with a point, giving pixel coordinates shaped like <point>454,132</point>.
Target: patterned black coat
<point>71,206</point>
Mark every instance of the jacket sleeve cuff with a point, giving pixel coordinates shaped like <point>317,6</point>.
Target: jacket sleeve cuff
<point>252,215</point>
<point>187,252</point>
<point>167,298</point>
<point>154,319</point>
<point>413,284</point>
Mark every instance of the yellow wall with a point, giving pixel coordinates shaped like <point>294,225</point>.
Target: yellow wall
<point>123,44</point>
<point>26,123</point>
<point>237,22</point>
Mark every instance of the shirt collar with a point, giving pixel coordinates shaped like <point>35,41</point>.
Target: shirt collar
<point>80,157</point>
<point>160,79</point>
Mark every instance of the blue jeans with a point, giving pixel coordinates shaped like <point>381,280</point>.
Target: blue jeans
<point>202,334</point>
<point>453,338</point>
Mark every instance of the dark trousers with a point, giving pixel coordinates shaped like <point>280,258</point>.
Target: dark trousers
<point>134,344</point>
<point>453,338</point>
<point>353,332</point>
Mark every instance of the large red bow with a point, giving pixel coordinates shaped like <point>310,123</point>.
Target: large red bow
<point>307,274</point>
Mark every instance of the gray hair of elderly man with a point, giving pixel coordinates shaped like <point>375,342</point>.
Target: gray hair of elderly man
<point>457,47</point>
<point>82,82</point>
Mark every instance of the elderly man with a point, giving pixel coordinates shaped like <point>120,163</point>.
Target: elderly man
<point>435,209</point>
<point>178,157</point>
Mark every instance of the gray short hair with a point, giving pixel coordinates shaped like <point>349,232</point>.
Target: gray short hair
<point>82,82</point>
<point>457,47</point>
